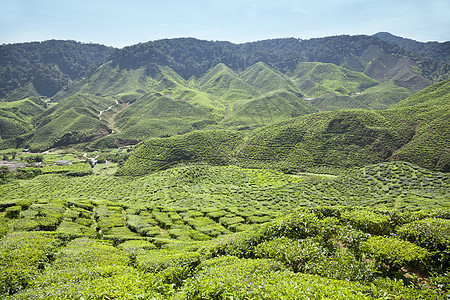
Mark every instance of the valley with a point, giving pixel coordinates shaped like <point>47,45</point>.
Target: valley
<point>191,169</point>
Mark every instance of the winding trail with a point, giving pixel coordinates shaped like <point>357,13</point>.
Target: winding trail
<point>109,108</point>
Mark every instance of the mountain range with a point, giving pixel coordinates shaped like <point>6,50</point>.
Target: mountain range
<point>65,93</point>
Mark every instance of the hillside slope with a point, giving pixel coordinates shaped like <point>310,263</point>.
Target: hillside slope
<point>416,130</point>
<point>48,66</point>
<point>315,79</point>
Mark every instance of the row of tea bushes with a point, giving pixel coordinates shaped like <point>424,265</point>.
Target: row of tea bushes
<point>119,222</point>
<point>324,252</point>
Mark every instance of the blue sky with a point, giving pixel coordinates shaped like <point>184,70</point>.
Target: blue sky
<point>122,23</point>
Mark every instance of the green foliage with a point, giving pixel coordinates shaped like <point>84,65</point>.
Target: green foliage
<point>88,268</point>
<point>315,79</point>
<point>368,221</point>
<point>38,217</point>
<point>13,212</point>
<point>431,49</point>
<point>297,226</point>
<point>268,108</point>
<point>205,146</point>
<point>48,65</point>
<point>295,254</point>
<point>394,253</point>
<point>174,267</point>
<point>382,96</point>
<point>263,279</point>
<point>23,255</point>
<point>432,234</point>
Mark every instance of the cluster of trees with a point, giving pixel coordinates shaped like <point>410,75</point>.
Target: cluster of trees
<point>192,57</point>
<point>433,50</point>
<point>49,65</point>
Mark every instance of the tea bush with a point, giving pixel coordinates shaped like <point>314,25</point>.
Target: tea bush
<point>295,254</point>
<point>23,255</point>
<point>394,253</point>
<point>263,279</point>
<point>368,221</point>
<point>432,234</point>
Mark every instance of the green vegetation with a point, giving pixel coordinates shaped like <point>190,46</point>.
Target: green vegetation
<point>317,250</point>
<point>279,169</point>
<point>381,96</point>
<point>415,130</point>
<point>218,231</point>
<point>315,79</point>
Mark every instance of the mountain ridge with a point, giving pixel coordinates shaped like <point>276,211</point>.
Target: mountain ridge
<point>186,56</point>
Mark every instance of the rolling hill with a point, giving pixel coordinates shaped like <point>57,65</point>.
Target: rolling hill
<point>316,79</point>
<point>415,130</point>
<point>171,87</point>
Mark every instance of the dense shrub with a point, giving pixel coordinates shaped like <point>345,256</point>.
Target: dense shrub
<point>394,253</point>
<point>295,254</point>
<point>432,234</point>
<point>263,279</point>
<point>368,221</point>
<point>23,255</point>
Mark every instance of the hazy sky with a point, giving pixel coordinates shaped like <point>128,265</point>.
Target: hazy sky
<point>122,23</point>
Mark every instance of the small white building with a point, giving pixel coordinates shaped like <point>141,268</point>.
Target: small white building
<point>62,162</point>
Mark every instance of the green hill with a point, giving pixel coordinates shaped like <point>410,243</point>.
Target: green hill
<point>266,79</point>
<point>266,109</point>
<point>341,139</point>
<point>156,115</point>
<point>16,117</point>
<point>352,138</point>
<point>74,120</point>
<point>109,80</point>
<point>315,79</point>
<point>223,82</point>
<point>381,96</point>
<point>430,144</point>
<point>213,147</point>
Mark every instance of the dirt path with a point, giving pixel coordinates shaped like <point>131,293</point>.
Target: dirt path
<point>109,108</point>
<point>110,117</point>
<point>105,167</point>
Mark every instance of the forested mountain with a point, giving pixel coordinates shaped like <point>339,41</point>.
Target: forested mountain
<point>48,65</point>
<point>191,57</point>
<point>51,65</point>
<point>434,50</point>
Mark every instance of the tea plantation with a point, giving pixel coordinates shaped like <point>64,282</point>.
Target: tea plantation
<point>188,169</point>
<point>197,231</point>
